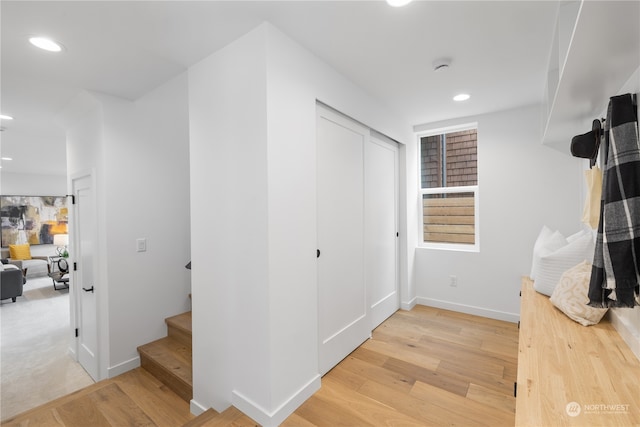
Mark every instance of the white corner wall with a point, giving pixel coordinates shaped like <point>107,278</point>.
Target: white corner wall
<point>523,185</point>
<point>227,100</point>
<point>252,125</point>
<point>139,155</point>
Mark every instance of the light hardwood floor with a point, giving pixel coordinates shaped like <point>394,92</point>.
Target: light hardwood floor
<point>135,398</point>
<point>423,367</point>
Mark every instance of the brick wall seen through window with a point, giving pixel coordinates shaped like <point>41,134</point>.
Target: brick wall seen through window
<point>461,159</point>
<point>448,161</point>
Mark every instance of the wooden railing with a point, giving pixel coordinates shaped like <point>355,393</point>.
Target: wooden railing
<point>449,219</point>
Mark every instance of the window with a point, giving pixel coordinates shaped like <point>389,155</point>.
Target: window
<point>449,188</point>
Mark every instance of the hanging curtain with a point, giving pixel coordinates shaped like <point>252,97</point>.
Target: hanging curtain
<point>615,275</point>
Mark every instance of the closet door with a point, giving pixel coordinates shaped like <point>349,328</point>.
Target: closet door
<point>343,318</point>
<point>381,227</point>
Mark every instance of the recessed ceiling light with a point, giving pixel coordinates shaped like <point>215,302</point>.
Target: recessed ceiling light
<point>46,44</point>
<point>461,97</point>
<point>5,117</point>
<point>398,3</point>
<point>7,158</point>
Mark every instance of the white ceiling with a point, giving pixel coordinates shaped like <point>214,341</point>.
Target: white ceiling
<point>498,50</point>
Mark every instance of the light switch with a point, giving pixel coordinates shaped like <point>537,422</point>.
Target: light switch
<point>141,245</point>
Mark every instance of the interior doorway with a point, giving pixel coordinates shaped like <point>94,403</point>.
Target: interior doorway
<point>84,291</point>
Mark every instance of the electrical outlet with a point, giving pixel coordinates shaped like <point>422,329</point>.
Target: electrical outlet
<point>453,281</point>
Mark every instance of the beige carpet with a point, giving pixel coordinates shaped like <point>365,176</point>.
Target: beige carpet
<point>35,366</point>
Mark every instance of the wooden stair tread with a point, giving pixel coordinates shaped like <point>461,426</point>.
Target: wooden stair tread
<point>229,417</point>
<point>172,354</point>
<point>169,360</point>
<point>179,328</point>
<point>180,321</point>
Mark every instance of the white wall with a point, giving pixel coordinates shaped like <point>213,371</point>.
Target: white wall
<point>82,120</point>
<point>147,176</point>
<point>227,99</point>
<point>252,125</point>
<point>523,185</point>
<point>139,153</point>
<point>29,184</point>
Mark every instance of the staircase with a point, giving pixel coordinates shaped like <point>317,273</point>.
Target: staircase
<point>169,360</point>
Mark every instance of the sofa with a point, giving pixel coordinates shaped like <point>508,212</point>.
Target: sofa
<point>11,282</point>
<point>36,262</point>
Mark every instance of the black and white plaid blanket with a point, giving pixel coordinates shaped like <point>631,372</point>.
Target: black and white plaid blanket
<point>615,275</point>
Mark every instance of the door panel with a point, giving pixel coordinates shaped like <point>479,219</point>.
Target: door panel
<point>85,246</point>
<point>342,299</point>
<point>381,260</point>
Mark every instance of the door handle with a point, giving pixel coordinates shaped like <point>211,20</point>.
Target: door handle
<point>88,290</point>
<point>317,253</point>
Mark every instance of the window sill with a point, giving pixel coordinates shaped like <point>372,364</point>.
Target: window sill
<point>449,247</point>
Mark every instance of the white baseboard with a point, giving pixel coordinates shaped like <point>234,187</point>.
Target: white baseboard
<point>469,309</point>
<point>629,332</point>
<point>123,367</point>
<point>409,305</point>
<point>276,417</point>
<point>196,408</point>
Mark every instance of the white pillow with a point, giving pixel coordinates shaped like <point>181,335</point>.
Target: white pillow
<point>552,265</point>
<point>547,241</point>
<point>571,295</point>
<point>577,235</point>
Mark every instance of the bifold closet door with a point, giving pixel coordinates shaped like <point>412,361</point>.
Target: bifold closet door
<point>381,227</point>
<point>343,314</point>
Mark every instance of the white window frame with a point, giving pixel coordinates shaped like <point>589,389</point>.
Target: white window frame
<point>462,247</point>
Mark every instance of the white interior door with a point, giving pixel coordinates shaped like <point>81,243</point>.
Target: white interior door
<point>85,248</point>
<point>381,228</point>
<point>343,319</point>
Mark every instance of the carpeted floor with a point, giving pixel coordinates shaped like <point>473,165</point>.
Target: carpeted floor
<point>35,366</point>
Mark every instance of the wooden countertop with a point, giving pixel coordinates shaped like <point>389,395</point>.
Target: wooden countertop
<point>572,375</point>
